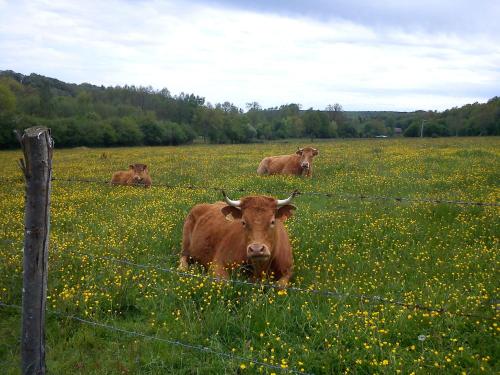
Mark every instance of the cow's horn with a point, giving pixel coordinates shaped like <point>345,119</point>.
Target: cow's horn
<point>282,202</point>
<point>229,201</point>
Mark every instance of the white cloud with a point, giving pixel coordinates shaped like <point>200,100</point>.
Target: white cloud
<point>244,56</point>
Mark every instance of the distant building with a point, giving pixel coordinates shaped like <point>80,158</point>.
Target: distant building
<point>398,131</point>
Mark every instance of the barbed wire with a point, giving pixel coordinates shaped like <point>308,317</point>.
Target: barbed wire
<point>327,194</point>
<point>313,193</point>
<point>325,293</point>
<point>308,290</point>
<point>199,348</point>
<point>405,199</point>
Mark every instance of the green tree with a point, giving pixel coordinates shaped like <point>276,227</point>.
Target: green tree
<point>46,104</point>
<point>84,100</point>
<point>335,113</point>
<point>374,127</point>
<point>154,133</point>
<point>7,99</point>
<point>7,117</point>
<point>128,132</point>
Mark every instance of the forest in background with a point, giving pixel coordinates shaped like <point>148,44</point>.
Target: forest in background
<point>98,116</point>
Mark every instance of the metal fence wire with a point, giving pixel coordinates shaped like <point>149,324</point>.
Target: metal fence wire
<point>326,293</point>
<point>195,347</point>
<point>375,299</point>
<point>349,196</point>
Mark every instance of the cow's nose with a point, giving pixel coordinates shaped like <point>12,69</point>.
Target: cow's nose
<point>305,165</point>
<point>256,249</point>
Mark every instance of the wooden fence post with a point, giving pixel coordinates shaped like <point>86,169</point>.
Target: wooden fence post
<point>37,146</point>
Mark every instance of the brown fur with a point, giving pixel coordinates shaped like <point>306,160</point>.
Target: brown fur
<point>289,164</point>
<point>137,175</point>
<point>214,236</point>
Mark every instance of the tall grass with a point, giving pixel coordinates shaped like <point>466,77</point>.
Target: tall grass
<point>431,254</point>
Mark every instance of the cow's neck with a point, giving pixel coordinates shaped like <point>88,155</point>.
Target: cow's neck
<point>298,167</point>
<point>260,267</point>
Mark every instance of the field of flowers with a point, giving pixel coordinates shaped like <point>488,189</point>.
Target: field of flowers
<point>439,255</point>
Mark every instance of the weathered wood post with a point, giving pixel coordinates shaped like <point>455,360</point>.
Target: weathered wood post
<point>37,146</point>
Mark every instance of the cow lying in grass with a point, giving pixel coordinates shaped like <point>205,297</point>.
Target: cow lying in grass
<point>250,231</point>
<point>299,164</point>
<point>137,174</point>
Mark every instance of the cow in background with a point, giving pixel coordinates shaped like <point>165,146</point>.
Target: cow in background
<point>298,164</point>
<point>137,174</point>
<point>249,231</point>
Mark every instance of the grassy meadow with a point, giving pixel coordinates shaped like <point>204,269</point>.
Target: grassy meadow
<point>439,255</point>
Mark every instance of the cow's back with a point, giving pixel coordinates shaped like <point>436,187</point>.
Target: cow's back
<point>286,164</point>
<point>121,177</point>
<point>204,229</point>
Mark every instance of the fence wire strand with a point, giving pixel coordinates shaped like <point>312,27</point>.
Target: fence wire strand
<point>347,196</point>
<point>199,348</point>
<point>325,293</point>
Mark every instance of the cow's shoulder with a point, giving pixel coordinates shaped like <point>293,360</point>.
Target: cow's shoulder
<point>284,157</point>
<point>231,247</point>
<point>283,258</point>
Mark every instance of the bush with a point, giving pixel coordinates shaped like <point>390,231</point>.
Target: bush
<point>128,132</point>
<point>7,127</point>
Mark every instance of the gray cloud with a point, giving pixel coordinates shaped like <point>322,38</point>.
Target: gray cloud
<point>448,16</point>
<point>243,53</point>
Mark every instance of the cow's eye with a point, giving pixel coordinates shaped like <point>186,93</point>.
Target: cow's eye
<point>243,223</point>
<point>273,222</point>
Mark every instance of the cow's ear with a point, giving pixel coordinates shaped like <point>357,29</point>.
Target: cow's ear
<point>131,166</point>
<point>231,213</point>
<point>315,152</point>
<point>284,212</point>
<point>299,151</point>
<point>145,167</point>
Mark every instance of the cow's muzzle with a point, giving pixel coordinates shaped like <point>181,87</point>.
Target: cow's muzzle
<point>258,250</point>
<point>305,165</point>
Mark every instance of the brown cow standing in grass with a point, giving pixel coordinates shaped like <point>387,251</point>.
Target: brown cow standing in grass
<point>299,164</point>
<point>137,174</point>
<point>222,236</point>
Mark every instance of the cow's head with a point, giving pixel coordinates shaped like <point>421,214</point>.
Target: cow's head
<point>306,156</point>
<point>258,216</point>
<point>140,171</point>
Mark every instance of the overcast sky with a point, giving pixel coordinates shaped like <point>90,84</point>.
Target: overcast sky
<point>364,54</point>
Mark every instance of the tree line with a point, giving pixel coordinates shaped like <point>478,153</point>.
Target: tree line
<point>89,115</point>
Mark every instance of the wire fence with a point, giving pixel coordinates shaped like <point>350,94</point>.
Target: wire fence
<point>349,196</point>
<point>195,347</point>
<point>326,293</point>
<point>364,298</point>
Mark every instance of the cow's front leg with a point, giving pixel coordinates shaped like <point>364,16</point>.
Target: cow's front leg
<point>283,281</point>
<point>183,264</point>
<point>219,271</point>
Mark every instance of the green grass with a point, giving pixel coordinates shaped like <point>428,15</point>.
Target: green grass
<point>431,254</point>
